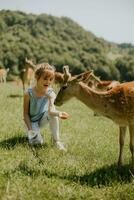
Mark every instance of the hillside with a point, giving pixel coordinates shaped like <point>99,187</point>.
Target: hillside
<point>59,41</point>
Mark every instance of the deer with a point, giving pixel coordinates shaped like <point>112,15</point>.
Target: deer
<point>116,104</point>
<point>95,82</point>
<point>27,73</point>
<point>3,75</point>
<point>107,85</point>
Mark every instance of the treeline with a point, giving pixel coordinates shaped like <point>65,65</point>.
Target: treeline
<point>60,41</point>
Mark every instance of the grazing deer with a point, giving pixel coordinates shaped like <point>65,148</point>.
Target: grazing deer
<point>27,73</point>
<point>3,75</point>
<point>116,104</point>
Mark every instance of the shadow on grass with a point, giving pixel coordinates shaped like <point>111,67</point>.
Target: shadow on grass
<point>14,95</point>
<point>105,176</point>
<point>11,143</point>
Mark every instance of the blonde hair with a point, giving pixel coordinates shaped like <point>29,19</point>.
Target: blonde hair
<point>41,68</point>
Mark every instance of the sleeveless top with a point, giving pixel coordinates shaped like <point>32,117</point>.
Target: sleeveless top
<point>38,105</point>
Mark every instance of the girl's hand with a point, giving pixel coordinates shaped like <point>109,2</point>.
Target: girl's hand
<point>64,115</point>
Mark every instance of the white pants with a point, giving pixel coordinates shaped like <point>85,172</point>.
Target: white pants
<point>50,120</point>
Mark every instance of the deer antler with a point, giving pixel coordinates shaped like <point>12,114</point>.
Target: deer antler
<point>92,80</point>
<point>95,77</point>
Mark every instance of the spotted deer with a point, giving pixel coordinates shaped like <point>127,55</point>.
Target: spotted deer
<point>116,104</point>
<point>95,83</point>
<point>3,75</point>
<point>107,85</point>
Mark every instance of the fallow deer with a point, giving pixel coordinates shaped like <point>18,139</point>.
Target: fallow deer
<point>27,73</point>
<point>107,85</point>
<point>95,83</point>
<point>3,75</point>
<point>116,104</point>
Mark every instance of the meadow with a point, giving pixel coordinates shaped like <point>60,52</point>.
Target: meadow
<point>88,170</point>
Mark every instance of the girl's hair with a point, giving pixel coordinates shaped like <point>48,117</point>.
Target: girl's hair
<point>41,68</point>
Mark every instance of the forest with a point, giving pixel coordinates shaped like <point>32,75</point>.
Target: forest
<point>60,41</point>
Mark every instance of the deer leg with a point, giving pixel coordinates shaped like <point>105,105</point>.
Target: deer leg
<point>121,143</point>
<point>131,130</point>
<point>29,83</point>
<point>23,86</point>
<point>4,79</point>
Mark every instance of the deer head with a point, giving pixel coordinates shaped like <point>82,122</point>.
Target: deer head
<point>68,89</point>
<point>29,63</point>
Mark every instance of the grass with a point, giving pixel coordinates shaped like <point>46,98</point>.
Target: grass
<point>87,171</point>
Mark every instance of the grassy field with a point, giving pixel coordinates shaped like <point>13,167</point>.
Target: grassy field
<point>86,171</point>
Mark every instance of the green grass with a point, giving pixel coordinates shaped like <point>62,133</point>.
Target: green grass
<point>87,171</point>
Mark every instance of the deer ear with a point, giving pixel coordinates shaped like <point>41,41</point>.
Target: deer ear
<point>66,69</point>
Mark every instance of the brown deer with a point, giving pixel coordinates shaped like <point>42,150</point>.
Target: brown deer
<point>95,83</point>
<point>116,104</point>
<point>107,85</point>
<point>27,73</point>
<point>3,75</point>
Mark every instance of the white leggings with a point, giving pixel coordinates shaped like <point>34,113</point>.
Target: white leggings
<point>53,122</point>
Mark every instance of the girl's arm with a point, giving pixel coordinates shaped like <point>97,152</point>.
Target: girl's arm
<point>52,110</point>
<point>26,111</point>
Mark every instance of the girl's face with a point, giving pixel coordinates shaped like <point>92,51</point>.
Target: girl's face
<point>46,79</point>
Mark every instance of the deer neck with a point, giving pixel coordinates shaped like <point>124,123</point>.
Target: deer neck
<point>97,101</point>
<point>89,97</point>
<point>106,103</point>
<point>32,66</point>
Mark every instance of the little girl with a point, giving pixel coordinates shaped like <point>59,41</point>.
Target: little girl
<point>39,108</point>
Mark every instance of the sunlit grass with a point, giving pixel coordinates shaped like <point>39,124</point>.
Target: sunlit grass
<point>87,171</point>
